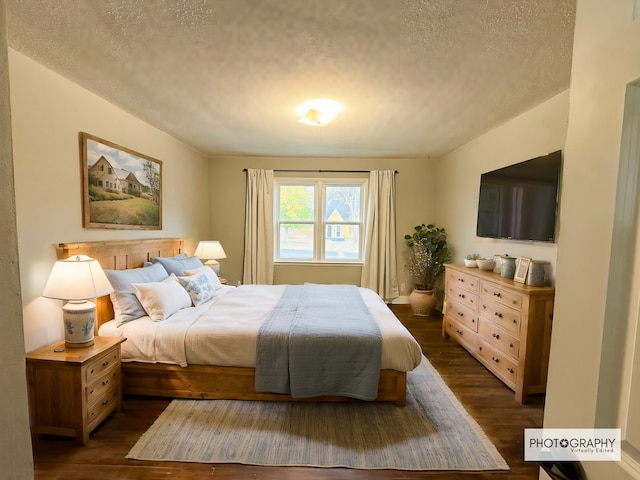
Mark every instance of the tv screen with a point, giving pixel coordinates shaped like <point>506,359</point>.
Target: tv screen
<point>520,202</point>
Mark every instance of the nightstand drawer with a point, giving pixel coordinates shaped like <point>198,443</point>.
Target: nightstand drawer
<point>104,383</point>
<point>101,364</point>
<point>504,317</point>
<point>103,407</point>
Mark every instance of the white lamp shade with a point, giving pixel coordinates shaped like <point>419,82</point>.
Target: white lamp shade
<point>210,250</point>
<point>77,278</point>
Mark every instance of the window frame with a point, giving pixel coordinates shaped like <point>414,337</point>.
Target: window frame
<point>320,223</point>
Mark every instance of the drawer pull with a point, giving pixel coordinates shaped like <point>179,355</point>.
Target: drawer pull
<point>106,402</point>
<point>510,370</point>
<point>106,382</point>
<point>495,359</point>
<point>459,332</point>
<point>105,363</point>
<point>460,314</point>
<point>498,314</point>
<point>496,336</point>
<point>497,294</point>
<point>461,295</point>
<point>461,279</point>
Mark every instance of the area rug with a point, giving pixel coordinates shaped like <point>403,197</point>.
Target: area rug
<point>433,432</point>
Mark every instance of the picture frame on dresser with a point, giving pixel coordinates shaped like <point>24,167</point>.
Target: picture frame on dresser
<point>522,267</point>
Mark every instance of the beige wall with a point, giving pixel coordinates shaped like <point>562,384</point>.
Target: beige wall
<point>539,131</point>
<point>606,58</point>
<point>415,202</point>
<point>16,460</point>
<point>48,111</point>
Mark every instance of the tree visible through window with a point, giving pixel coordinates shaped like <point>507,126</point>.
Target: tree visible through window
<point>319,220</point>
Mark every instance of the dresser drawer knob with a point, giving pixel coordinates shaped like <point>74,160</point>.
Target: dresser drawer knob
<point>461,295</point>
<point>498,314</point>
<point>510,370</point>
<point>460,314</point>
<point>496,336</point>
<point>496,294</point>
<point>106,382</point>
<point>105,363</point>
<point>459,332</point>
<point>461,279</point>
<point>106,402</point>
<point>495,359</point>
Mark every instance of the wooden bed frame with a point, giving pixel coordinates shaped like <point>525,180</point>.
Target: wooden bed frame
<point>193,381</point>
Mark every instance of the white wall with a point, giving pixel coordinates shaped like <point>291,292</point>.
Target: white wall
<point>539,131</point>
<point>48,111</point>
<point>16,460</point>
<point>606,58</point>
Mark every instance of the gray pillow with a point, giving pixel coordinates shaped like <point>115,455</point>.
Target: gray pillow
<point>178,265</point>
<point>126,306</point>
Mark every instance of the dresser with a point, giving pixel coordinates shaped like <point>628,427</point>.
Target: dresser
<point>72,390</point>
<point>504,324</point>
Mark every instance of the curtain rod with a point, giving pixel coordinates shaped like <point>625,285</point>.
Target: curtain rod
<point>324,171</point>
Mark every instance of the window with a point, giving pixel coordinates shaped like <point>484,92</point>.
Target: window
<point>319,220</point>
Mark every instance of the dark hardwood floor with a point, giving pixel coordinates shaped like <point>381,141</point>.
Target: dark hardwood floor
<point>490,402</point>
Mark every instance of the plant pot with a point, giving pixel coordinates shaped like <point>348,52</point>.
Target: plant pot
<point>423,302</point>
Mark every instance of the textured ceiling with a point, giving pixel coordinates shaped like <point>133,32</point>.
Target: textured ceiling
<point>416,78</point>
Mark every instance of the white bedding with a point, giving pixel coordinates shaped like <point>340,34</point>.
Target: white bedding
<point>224,330</point>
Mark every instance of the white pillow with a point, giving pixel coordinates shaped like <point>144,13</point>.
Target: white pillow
<point>199,287</point>
<point>162,299</point>
<point>215,281</point>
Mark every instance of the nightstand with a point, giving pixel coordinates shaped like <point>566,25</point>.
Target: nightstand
<point>72,390</point>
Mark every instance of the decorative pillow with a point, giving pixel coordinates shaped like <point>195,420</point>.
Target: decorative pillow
<point>162,299</point>
<point>199,288</point>
<point>211,275</point>
<point>126,306</point>
<point>178,264</point>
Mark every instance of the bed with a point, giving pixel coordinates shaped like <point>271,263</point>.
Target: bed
<point>229,370</point>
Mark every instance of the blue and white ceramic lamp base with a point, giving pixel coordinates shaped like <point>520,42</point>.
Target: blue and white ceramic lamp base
<point>78,319</point>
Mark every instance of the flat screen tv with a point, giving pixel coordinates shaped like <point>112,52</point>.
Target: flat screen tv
<point>520,202</point>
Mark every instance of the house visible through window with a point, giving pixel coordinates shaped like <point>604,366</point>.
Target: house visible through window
<point>319,220</point>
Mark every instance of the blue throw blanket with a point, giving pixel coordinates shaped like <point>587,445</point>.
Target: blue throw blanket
<point>319,340</point>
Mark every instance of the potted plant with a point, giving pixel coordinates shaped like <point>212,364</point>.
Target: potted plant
<point>426,254</point>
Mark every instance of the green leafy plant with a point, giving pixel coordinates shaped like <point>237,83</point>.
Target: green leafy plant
<point>426,254</point>
<point>473,256</point>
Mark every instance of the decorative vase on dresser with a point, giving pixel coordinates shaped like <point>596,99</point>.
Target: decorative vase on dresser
<point>504,324</point>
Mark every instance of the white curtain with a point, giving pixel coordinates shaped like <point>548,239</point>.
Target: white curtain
<point>379,272</point>
<point>258,228</point>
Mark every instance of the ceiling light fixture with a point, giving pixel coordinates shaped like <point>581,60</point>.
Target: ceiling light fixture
<point>318,112</point>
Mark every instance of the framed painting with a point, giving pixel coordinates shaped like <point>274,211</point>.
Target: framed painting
<point>121,188</point>
<point>522,267</point>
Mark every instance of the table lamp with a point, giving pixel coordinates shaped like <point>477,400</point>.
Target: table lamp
<point>76,280</point>
<point>209,251</point>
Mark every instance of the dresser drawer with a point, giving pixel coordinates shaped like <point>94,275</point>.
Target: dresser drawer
<point>463,335</point>
<point>498,362</point>
<point>463,297</point>
<point>462,280</point>
<point>464,315</point>
<point>100,365</point>
<point>501,295</point>
<point>498,338</point>
<point>502,316</point>
<point>99,410</point>
<point>97,389</point>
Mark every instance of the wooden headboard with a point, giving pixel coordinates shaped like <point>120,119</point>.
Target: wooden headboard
<point>121,255</point>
